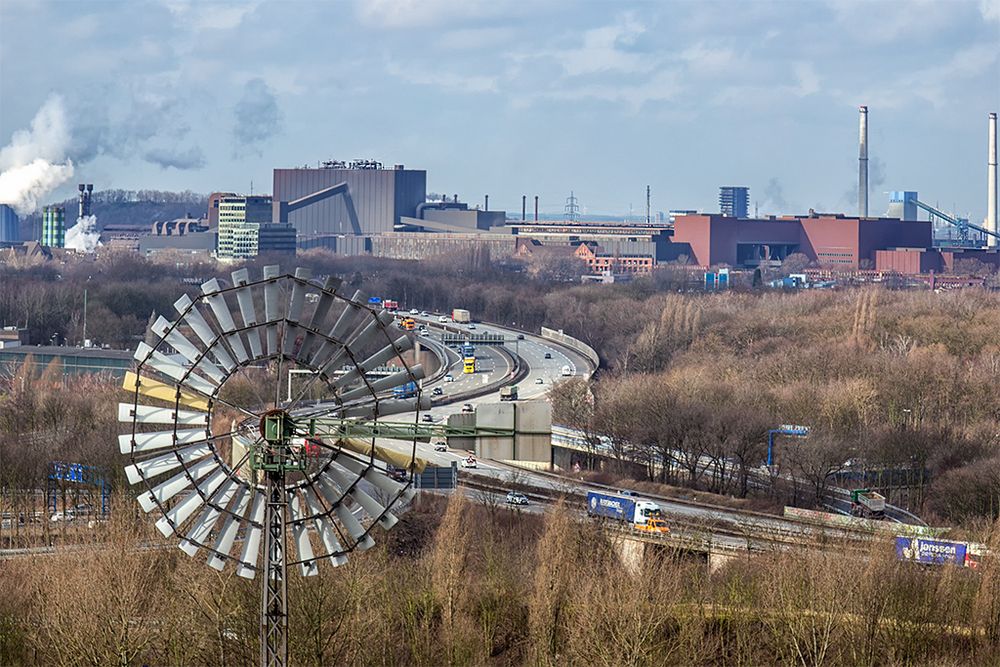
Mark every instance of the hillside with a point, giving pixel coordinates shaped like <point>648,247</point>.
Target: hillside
<point>117,207</point>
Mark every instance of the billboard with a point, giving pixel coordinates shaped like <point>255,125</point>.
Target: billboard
<point>935,552</point>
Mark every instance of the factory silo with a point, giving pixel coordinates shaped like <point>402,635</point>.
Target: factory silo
<point>9,225</point>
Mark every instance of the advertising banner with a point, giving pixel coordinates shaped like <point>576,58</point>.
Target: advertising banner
<point>935,552</point>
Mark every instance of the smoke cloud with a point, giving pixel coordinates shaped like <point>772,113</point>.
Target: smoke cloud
<point>191,158</point>
<point>876,178</point>
<point>34,163</point>
<point>83,236</point>
<point>774,197</point>
<point>257,117</point>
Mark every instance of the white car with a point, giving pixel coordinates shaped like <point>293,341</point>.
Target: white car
<point>440,446</point>
<point>515,498</point>
<point>469,462</point>
<point>449,378</point>
<point>442,319</point>
<point>414,311</point>
<point>539,381</point>
<point>472,326</point>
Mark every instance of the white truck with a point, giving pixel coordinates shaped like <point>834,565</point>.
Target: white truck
<point>460,316</point>
<point>868,504</point>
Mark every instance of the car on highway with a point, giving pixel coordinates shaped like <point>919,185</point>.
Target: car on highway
<point>442,319</point>
<point>427,417</point>
<point>398,474</point>
<point>449,378</point>
<point>515,498</point>
<point>472,326</point>
<point>539,381</point>
<point>423,313</point>
<point>469,462</point>
<point>414,311</point>
<point>468,407</point>
<point>440,446</point>
<point>548,355</point>
<point>520,336</point>
<point>566,371</point>
<point>437,391</point>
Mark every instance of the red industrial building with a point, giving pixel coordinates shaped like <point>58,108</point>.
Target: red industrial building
<point>833,241</point>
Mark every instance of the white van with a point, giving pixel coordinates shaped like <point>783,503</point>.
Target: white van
<point>566,371</point>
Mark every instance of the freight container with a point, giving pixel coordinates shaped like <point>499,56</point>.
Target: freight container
<point>461,316</point>
<point>642,515</point>
<point>867,503</point>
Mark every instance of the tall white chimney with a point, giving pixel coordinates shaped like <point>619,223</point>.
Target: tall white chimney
<point>991,187</point>
<point>863,164</point>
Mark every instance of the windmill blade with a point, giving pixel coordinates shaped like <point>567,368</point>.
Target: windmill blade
<point>327,488</point>
<point>147,442</point>
<point>350,337</point>
<point>393,349</point>
<point>386,408</point>
<point>158,465</point>
<point>203,525</point>
<point>324,526</point>
<point>227,535</point>
<point>224,318</point>
<point>185,348</point>
<point>271,313</point>
<point>318,318</point>
<point>386,383</point>
<point>179,513</point>
<point>194,319</point>
<point>349,320</point>
<point>307,566</point>
<point>294,335</point>
<point>342,477</point>
<point>244,298</point>
<point>162,391</point>
<point>380,480</point>
<point>251,543</point>
<point>161,363</point>
<point>148,414</point>
<point>182,480</point>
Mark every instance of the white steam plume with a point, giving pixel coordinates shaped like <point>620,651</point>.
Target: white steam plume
<point>34,163</point>
<point>83,236</point>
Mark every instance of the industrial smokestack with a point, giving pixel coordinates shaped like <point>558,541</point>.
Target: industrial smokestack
<point>524,207</point>
<point>863,164</point>
<point>991,187</point>
<point>81,204</point>
<point>486,203</point>
<point>536,208</point>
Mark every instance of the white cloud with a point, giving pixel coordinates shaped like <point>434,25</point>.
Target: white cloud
<point>202,16</point>
<point>601,50</point>
<point>708,60</point>
<point>392,14</point>
<point>990,9</point>
<point>445,80</point>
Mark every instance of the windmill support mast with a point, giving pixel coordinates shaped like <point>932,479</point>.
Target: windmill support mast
<point>276,427</point>
<point>274,610</point>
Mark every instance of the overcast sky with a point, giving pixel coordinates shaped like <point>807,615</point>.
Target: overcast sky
<point>520,97</point>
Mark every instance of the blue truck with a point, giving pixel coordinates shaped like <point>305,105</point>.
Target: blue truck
<point>641,515</point>
<point>408,390</point>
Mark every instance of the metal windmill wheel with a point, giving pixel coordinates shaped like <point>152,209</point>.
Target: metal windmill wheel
<point>234,470</point>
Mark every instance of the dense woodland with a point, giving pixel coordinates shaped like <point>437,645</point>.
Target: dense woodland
<point>902,382</point>
<point>471,583</point>
<point>887,380</point>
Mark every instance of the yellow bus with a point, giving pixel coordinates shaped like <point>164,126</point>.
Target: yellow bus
<point>469,365</point>
<point>409,324</point>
